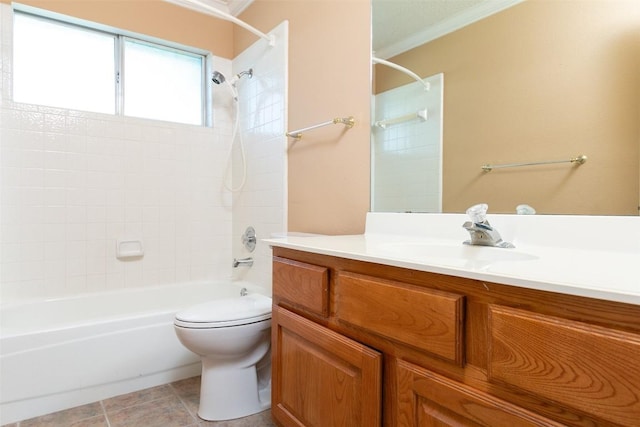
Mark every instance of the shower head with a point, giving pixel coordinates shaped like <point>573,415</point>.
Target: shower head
<point>248,72</point>
<point>217,77</point>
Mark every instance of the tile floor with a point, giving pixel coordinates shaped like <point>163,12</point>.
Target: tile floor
<point>170,405</point>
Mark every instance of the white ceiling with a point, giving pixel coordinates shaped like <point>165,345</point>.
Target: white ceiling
<point>400,25</point>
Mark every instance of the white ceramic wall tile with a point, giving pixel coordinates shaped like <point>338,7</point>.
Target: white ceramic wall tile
<point>262,202</point>
<point>75,182</point>
<point>72,183</point>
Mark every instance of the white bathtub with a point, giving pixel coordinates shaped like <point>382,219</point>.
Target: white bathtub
<point>61,353</point>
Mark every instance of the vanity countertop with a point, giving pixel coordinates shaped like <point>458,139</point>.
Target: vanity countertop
<point>601,269</point>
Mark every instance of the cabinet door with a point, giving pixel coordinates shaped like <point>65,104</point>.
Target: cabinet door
<point>321,378</point>
<point>426,399</point>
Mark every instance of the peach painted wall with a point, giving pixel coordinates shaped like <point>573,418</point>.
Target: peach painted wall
<point>329,76</point>
<point>542,80</point>
<point>153,18</point>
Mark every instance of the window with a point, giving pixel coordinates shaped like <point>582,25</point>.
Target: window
<point>63,66</point>
<point>70,66</point>
<point>161,83</point>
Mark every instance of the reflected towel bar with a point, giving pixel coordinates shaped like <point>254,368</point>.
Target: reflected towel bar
<point>347,121</point>
<point>420,114</point>
<point>578,160</point>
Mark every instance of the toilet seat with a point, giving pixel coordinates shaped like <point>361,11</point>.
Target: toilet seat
<point>225,312</point>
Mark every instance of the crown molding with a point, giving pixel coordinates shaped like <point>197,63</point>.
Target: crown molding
<point>222,5</point>
<point>231,7</point>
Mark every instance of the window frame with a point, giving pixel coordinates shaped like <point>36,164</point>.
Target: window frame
<point>119,38</point>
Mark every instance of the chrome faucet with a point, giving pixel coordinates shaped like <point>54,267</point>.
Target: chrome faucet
<point>480,231</point>
<point>242,262</point>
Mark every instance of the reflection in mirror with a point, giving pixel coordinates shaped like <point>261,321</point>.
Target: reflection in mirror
<point>537,81</point>
<point>406,148</point>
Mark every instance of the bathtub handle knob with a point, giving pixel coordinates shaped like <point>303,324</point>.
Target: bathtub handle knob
<point>249,239</point>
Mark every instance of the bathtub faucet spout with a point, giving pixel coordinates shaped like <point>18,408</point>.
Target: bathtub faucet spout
<point>248,262</point>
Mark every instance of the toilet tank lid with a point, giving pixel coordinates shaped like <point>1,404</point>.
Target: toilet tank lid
<point>226,309</point>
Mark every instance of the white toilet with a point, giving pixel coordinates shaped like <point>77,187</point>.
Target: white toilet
<point>232,336</point>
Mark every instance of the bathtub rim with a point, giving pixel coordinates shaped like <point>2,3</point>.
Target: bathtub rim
<point>21,305</point>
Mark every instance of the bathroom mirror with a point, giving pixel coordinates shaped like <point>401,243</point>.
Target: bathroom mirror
<point>536,81</point>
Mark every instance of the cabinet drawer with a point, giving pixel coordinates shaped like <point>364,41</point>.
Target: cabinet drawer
<point>301,284</point>
<point>422,318</point>
<point>586,367</point>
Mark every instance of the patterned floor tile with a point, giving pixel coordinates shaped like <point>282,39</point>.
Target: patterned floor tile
<point>187,386</point>
<point>170,405</point>
<point>189,392</point>
<point>137,397</point>
<point>166,412</point>
<point>67,418</point>
<point>98,421</point>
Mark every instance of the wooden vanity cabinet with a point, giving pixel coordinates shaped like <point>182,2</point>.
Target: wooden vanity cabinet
<point>319,377</point>
<point>363,344</point>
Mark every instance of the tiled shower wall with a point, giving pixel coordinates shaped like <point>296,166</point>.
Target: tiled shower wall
<point>73,183</point>
<point>262,202</point>
<point>407,156</point>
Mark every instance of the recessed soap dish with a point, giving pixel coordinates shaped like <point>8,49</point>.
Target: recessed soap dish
<point>127,249</point>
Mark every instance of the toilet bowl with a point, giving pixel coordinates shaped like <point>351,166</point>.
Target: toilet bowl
<point>232,338</point>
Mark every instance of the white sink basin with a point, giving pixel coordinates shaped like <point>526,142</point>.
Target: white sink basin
<point>553,253</point>
<point>457,253</point>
